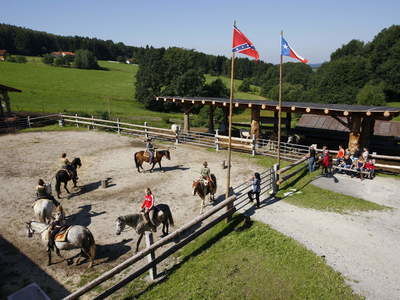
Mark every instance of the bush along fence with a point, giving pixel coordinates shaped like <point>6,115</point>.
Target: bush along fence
<point>264,147</point>
<point>179,238</point>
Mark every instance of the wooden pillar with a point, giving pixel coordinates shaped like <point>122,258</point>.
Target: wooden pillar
<point>225,124</point>
<point>7,100</point>
<point>354,135</point>
<point>288,122</point>
<point>275,132</point>
<point>367,130</point>
<point>186,122</point>
<point>211,119</point>
<point>255,122</point>
<point>1,106</point>
<point>151,256</point>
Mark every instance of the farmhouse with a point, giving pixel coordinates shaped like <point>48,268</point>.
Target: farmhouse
<point>62,53</point>
<point>3,54</point>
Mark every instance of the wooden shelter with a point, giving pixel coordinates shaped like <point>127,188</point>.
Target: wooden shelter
<point>5,98</point>
<point>360,119</point>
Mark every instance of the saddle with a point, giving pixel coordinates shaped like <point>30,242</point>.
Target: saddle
<point>61,235</point>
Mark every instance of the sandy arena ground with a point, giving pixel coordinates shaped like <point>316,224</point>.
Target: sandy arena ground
<point>364,247</point>
<point>26,157</point>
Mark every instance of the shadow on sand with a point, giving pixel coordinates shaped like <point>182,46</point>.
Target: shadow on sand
<point>17,271</point>
<point>83,216</point>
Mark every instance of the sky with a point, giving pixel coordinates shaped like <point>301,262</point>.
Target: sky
<point>314,29</point>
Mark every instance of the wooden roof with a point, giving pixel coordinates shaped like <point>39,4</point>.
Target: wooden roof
<point>9,89</point>
<point>382,128</point>
<point>377,112</point>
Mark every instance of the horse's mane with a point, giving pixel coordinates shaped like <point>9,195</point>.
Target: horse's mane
<point>129,218</point>
<point>76,161</point>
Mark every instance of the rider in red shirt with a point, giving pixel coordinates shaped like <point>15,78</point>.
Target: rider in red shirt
<point>148,209</point>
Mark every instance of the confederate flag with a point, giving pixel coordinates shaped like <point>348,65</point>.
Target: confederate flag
<point>242,44</point>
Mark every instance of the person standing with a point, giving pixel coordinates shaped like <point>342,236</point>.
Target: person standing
<point>311,158</point>
<point>340,155</point>
<point>255,189</point>
<point>365,154</point>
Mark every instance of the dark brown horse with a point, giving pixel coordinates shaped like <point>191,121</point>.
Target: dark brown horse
<point>143,156</point>
<point>199,189</point>
<point>63,176</point>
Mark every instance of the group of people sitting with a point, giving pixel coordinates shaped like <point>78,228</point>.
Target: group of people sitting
<point>344,162</point>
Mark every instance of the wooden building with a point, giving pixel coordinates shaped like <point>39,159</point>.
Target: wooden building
<point>359,119</point>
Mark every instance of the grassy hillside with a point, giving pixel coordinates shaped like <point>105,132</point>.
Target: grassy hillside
<point>55,89</point>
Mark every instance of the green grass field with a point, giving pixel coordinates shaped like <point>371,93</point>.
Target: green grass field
<point>395,104</point>
<point>233,261</point>
<point>49,89</point>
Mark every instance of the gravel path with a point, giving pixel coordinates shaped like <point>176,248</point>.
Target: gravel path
<point>364,247</point>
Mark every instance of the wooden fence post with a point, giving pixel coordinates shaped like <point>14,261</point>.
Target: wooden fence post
<point>28,120</point>
<point>177,137</point>
<point>146,134</point>
<point>151,256</point>
<point>92,122</point>
<point>119,130</point>
<point>275,178</point>
<point>60,121</point>
<point>253,145</point>
<point>216,140</point>
<point>76,120</point>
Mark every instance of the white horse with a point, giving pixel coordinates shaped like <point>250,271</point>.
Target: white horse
<point>44,209</point>
<point>245,133</point>
<point>78,237</point>
<point>175,128</point>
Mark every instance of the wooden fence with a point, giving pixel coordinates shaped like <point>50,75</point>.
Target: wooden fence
<point>180,238</point>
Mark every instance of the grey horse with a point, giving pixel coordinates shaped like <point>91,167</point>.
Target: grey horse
<point>78,237</point>
<point>44,209</point>
<point>163,216</point>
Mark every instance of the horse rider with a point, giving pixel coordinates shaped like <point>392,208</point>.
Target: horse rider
<point>150,149</point>
<point>66,165</point>
<point>42,193</point>
<point>55,227</point>
<point>148,209</point>
<point>205,176</point>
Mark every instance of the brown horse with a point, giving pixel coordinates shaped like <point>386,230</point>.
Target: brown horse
<point>199,188</point>
<point>143,156</point>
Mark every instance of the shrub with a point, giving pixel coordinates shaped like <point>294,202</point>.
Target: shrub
<point>59,61</point>
<point>245,86</point>
<point>20,59</point>
<point>85,59</point>
<point>371,94</point>
<point>48,59</point>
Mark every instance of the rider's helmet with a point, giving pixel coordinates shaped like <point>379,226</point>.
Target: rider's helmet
<point>205,164</point>
<point>40,182</point>
<point>64,155</point>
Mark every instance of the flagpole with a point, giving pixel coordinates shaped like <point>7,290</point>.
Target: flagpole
<point>280,106</point>
<point>228,179</point>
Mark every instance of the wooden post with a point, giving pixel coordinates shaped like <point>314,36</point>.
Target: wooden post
<point>354,135</point>
<point>118,127</point>
<point>367,131</point>
<point>76,120</point>
<point>146,133</point>
<point>1,104</point>
<point>151,256</point>
<point>275,179</point>
<point>216,140</point>
<point>28,120</point>
<point>288,122</point>
<point>186,122</point>
<point>7,100</point>
<point>253,145</point>
<point>276,123</point>
<point>92,122</point>
<point>211,119</point>
<point>255,121</point>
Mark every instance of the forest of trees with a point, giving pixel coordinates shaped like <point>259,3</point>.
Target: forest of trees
<point>358,72</point>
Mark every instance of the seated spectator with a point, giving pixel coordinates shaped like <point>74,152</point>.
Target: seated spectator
<point>360,165</point>
<point>347,151</point>
<point>370,167</point>
<point>346,163</point>
<point>340,155</point>
<point>365,154</point>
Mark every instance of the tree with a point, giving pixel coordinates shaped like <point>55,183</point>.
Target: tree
<point>59,61</point>
<point>371,94</point>
<point>245,85</point>
<point>352,48</point>
<point>290,92</point>
<point>190,84</point>
<point>85,59</point>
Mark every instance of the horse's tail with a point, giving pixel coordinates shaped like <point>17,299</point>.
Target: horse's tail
<point>169,215</point>
<point>214,180</point>
<point>136,160</point>
<point>58,183</point>
<point>90,246</point>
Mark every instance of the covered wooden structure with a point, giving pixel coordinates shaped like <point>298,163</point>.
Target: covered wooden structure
<point>5,98</point>
<point>360,119</point>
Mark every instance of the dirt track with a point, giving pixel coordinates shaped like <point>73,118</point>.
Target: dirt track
<point>26,157</point>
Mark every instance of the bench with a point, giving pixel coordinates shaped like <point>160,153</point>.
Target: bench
<point>370,174</point>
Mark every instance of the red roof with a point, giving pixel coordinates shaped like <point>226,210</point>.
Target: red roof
<point>3,52</point>
<point>63,53</point>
